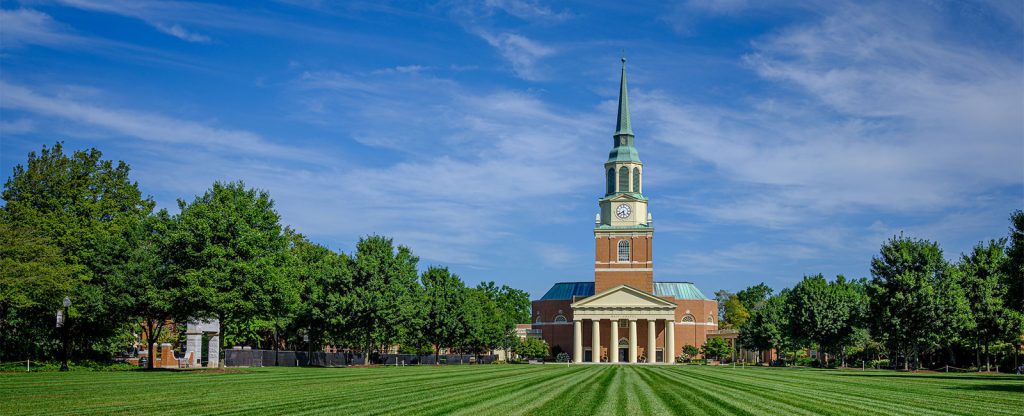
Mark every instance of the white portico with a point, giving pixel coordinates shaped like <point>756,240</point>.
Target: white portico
<point>628,305</point>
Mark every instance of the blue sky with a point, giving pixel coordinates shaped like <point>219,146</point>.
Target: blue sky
<point>779,138</point>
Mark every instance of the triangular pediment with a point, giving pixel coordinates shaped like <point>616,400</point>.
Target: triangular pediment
<point>623,296</point>
<point>624,198</point>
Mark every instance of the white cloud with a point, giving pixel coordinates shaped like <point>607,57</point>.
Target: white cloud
<point>30,27</point>
<point>181,33</point>
<point>145,126</point>
<point>527,10</point>
<point>521,52</point>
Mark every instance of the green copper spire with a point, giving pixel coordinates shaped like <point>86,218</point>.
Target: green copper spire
<point>622,124</point>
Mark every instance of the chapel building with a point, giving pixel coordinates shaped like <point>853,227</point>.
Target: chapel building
<point>623,315</point>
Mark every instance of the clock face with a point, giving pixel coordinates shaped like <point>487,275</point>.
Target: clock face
<point>622,211</point>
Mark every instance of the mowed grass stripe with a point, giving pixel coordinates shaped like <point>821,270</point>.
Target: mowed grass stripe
<point>920,397</point>
<point>799,396</point>
<point>512,389</point>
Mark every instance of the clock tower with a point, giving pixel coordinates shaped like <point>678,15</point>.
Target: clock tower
<point>623,231</point>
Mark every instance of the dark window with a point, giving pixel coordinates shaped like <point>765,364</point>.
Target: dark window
<point>623,250</point>
<point>636,180</point>
<point>623,179</point>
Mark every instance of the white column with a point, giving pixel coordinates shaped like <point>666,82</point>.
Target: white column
<point>577,341</point>
<point>632,341</point>
<point>613,344</point>
<point>213,352</point>
<point>595,341</point>
<point>670,341</point>
<point>652,346</point>
<point>194,345</point>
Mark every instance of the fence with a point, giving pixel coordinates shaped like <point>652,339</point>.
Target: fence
<point>270,358</point>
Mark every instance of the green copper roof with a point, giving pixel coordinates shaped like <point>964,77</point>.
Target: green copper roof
<point>623,125</point>
<point>678,290</point>
<point>566,290</point>
<point>623,150</point>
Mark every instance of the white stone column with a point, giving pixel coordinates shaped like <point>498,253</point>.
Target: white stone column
<point>613,344</point>
<point>213,352</point>
<point>652,345</point>
<point>577,341</point>
<point>632,341</point>
<point>595,341</point>
<point>670,341</point>
<point>194,346</point>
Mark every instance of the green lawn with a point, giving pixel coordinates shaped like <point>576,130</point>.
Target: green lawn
<point>512,389</point>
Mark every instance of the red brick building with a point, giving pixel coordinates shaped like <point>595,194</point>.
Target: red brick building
<point>623,315</point>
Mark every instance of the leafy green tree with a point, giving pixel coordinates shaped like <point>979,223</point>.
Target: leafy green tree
<point>721,297</point>
<point>1015,263</point>
<point>34,278</point>
<point>754,295</point>
<point>910,296</point>
<point>532,348</point>
<point>983,281</point>
<point>79,203</point>
<point>231,250</point>
<point>768,327</point>
<point>324,282</point>
<point>823,312</point>
<point>717,348</point>
<point>444,298</point>
<point>690,351</point>
<point>386,301</point>
<point>148,287</point>
<point>736,315</point>
<point>513,307</point>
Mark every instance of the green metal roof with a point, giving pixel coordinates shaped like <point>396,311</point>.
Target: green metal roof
<point>566,290</point>
<point>678,290</point>
<point>623,124</point>
<point>623,150</point>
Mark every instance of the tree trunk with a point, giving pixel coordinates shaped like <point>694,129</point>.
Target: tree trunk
<point>220,341</point>
<point>977,354</point>
<point>437,353</point>
<point>988,359</point>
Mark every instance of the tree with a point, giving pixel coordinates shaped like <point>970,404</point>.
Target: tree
<point>79,203</point>
<point>736,314</point>
<point>690,351</point>
<point>513,307</point>
<point>754,295</point>
<point>231,250</point>
<point>324,281</point>
<point>148,286</point>
<point>444,298</point>
<point>768,326</point>
<point>909,295</point>
<point>1014,274</point>
<point>823,312</point>
<point>532,348</point>
<point>34,278</point>
<point>716,347</point>
<point>983,282</point>
<point>386,293</point>
<point>721,297</point>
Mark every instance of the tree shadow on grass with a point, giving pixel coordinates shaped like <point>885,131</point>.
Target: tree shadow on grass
<point>954,376</point>
<point>1008,388</point>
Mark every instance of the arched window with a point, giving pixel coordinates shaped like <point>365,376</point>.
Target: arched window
<point>623,343</point>
<point>611,181</point>
<point>538,319</point>
<point>623,179</point>
<point>711,320</point>
<point>560,319</point>
<point>688,318</point>
<point>623,250</point>
<point>636,180</point>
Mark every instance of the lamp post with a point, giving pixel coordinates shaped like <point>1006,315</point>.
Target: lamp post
<point>61,319</point>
